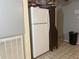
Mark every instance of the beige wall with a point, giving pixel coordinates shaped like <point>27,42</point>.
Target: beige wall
<point>27,34</point>
<point>59,23</point>
<point>59,19</point>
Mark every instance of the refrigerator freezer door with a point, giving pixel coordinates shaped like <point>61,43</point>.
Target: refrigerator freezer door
<point>39,15</point>
<point>40,39</point>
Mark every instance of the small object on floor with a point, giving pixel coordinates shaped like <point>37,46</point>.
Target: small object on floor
<point>73,38</point>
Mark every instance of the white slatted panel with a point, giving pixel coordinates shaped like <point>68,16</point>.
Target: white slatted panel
<point>12,48</point>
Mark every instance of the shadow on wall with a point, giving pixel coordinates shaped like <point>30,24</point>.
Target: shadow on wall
<point>60,19</point>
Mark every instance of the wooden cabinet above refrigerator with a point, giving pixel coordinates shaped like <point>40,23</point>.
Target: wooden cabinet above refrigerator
<point>41,2</point>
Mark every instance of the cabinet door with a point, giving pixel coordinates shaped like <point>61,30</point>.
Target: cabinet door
<point>40,40</point>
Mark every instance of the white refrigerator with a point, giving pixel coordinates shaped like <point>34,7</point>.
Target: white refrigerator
<point>40,30</point>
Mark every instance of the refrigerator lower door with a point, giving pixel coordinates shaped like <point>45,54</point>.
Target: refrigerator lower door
<point>40,34</point>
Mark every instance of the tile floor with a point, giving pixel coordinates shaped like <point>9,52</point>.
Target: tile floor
<point>65,51</point>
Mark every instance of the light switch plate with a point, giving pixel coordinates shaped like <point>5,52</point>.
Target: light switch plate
<point>76,11</point>
<point>78,17</point>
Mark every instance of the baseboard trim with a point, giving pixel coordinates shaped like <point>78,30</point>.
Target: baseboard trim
<point>68,41</point>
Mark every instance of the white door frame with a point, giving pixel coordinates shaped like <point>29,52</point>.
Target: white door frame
<point>27,31</point>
